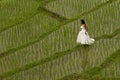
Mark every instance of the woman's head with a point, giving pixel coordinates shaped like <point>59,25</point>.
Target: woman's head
<point>82,21</point>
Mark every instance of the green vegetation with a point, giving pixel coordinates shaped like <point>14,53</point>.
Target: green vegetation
<point>38,40</point>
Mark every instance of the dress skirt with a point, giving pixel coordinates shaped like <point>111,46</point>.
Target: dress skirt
<point>84,39</point>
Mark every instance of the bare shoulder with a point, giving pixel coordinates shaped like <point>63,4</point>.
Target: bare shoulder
<point>81,26</point>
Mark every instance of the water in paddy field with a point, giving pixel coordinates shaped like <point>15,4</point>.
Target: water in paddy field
<point>38,40</point>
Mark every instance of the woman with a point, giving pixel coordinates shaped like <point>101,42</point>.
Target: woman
<point>83,37</point>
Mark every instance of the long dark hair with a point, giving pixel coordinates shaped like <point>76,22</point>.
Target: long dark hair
<point>82,21</point>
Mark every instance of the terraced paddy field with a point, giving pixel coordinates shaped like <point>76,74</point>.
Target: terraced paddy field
<point>38,40</point>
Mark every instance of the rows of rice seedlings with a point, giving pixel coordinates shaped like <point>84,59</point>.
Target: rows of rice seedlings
<point>72,9</point>
<point>104,20</point>
<point>101,21</point>
<point>12,11</point>
<point>63,39</point>
<point>67,36</point>
<point>112,71</point>
<point>78,61</point>
<point>45,48</point>
<point>50,72</point>
<point>99,52</point>
<point>28,31</point>
<point>62,42</point>
<point>25,33</point>
<point>105,31</point>
<point>58,41</point>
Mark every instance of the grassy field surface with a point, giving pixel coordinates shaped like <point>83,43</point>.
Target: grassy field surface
<point>38,40</point>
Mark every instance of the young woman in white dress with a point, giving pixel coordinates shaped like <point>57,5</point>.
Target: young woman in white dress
<point>83,36</point>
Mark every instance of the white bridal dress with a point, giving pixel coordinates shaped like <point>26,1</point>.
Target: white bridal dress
<point>83,37</point>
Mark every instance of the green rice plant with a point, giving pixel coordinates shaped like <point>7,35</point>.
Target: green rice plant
<point>38,40</point>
